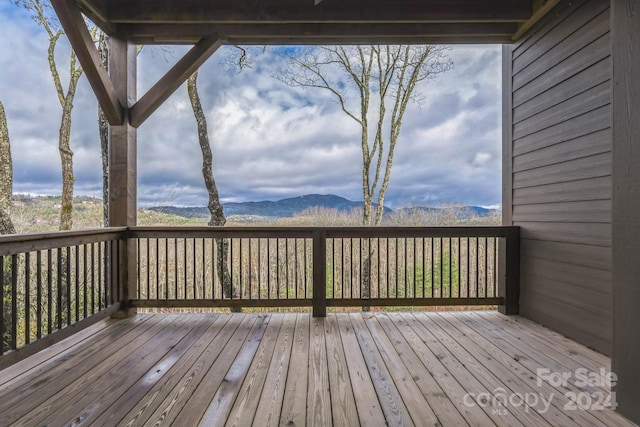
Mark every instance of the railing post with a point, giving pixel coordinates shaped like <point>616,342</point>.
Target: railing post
<point>509,285</point>
<point>319,273</point>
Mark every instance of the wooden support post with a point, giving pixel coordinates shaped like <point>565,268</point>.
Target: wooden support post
<point>172,80</point>
<point>319,274</point>
<point>74,26</point>
<point>122,166</point>
<point>625,101</point>
<point>509,284</point>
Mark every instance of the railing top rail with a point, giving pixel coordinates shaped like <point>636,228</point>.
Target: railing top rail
<point>19,243</point>
<point>329,232</point>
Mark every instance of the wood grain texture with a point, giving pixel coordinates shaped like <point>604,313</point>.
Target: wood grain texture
<point>626,186</point>
<point>343,403</point>
<point>573,191</point>
<point>369,408</point>
<point>562,169</point>
<point>568,253</point>
<point>591,211</point>
<point>419,365</point>
<point>557,73</point>
<point>294,407</point>
<point>417,405</point>
<point>270,405</point>
<point>394,409</point>
<point>591,144</point>
<point>585,124</point>
<point>244,408</point>
<point>318,397</point>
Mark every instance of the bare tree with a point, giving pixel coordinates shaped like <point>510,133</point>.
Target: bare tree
<point>6,176</point>
<point>381,77</point>
<point>103,131</point>
<point>6,225</point>
<point>215,207</point>
<point>42,14</point>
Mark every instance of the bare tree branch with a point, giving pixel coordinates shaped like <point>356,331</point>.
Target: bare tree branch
<point>393,72</point>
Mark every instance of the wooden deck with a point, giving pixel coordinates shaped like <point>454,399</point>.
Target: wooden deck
<point>447,368</point>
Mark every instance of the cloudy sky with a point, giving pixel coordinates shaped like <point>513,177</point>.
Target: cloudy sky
<point>269,140</point>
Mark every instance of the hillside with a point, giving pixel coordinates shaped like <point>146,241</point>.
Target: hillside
<point>293,206</point>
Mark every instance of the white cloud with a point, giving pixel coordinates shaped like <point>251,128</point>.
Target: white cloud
<point>269,140</point>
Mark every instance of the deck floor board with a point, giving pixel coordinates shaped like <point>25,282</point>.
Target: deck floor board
<point>382,368</point>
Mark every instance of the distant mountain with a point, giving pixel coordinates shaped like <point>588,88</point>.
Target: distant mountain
<point>462,212</point>
<point>295,205</point>
<point>279,209</point>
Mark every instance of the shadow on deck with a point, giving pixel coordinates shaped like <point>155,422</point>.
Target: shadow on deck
<point>446,368</point>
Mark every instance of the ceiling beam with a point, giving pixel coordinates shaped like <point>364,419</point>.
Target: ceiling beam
<point>189,33</point>
<point>541,9</point>
<point>303,11</point>
<point>74,26</point>
<point>173,79</point>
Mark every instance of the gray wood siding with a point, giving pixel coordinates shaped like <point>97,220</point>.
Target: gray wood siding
<point>625,35</point>
<point>559,148</point>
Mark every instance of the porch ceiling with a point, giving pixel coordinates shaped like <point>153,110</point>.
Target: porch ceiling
<point>316,21</point>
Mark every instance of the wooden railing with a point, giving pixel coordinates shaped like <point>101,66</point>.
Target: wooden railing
<point>354,266</point>
<point>52,284</point>
<point>52,281</point>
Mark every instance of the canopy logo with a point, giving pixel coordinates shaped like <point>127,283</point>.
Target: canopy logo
<point>581,389</point>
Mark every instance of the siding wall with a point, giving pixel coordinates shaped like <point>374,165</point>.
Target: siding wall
<point>559,186</point>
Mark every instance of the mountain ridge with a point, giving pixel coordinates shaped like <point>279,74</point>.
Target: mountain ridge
<point>291,206</point>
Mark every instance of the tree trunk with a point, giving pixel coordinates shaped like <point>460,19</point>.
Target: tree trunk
<point>66,160</point>
<point>103,129</point>
<point>215,207</point>
<point>6,225</point>
<point>6,176</point>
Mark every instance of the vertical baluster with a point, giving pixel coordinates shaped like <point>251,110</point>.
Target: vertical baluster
<point>39,294</point>
<point>276,286</point>
<point>459,268</point>
<point>100,265</point>
<point>396,260</point>
<point>387,265</point>
<point>342,269</point>
<point>27,297</point>
<point>477,267</point>
<point>268,268</point>
<point>147,266</point>
<point>406,269</point>
<point>2,314</point>
<point>295,248</point>
<point>84,280</point>
<point>68,279</point>
<point>59,289</point>
<point>468,269</point>
<point>204,270</point>
<point>138,244</point>
<point>286,263</point>
<point>93,277</point>
<point>306,275</point>
<point>175,268</point>
<point>77,282</point>
<point>378,267</point>
<point>14,301</point>
<point>184,269</point>
<point>334,284</point>
<point>431,262</point>
<point>243,288</point>
<point>230,264</point>
<point>486,265</point>
<point>260,285</point>
<point>495,267</point>
<point>450,257</point>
